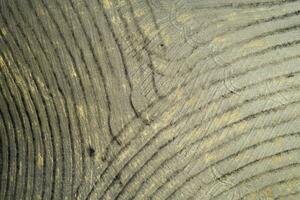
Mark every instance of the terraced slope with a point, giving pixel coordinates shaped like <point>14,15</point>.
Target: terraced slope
<point>150,99</point>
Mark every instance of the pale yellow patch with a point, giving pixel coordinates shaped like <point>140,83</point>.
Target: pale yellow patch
<point>41,83</point>
<point>115,20</point>
<point>227,117</point>
<point>170,114</point>
<point>167,39</point>
<point>20,168</point>
<point>3,31</point>
<point>281,81</point>
<point>124,86</point>
<point>179,93</point>
<point>277,160</point>
<point>219,40</point>
<point>162,66</point>
<point>32,88</point>
<point>106,4</point>
<point>220,25</point>
<point>128,17</point>
<point>269,192</point>
<point>209,157</point>
<point>148,29</point>
<point>1,62</point>
<point>280,142</point>
<point>20,80</point>
<point>254,44</point>
<point>40,161</point>
<point>192,101</point>
<point>38,197</point>
<point>81,111</point>
<point>242,126</point>
<point>139,13</point>
<point>41,11</point>
<point>147,117</point>
<point>183,18</point>
<point>121,2</point>
<point>125,154</point>
<point>232,16</point>
<point>253,196</point>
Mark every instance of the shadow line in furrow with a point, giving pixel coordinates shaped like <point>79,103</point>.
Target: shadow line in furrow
<point>65,78</point>
<point>282,182</point>
<point>104,172</point>
<point>287,195</point>
<point>285,45</point>
<point>180,151</point>
<point>264,51</point>
<point>253,116</point>
<point>296,134</point>
<point>236,171</point>
<point>247,5</point>
<point>5,153</point>
<point>149,142</point>
<point>23,101</point>
<point>47,85</point>
<point>10,145</point>
<point>285,167</point>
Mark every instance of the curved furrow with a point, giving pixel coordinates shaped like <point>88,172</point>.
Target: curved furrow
<point>59,86</point>
<point>5,156</point>
<point>196,157</point>
<point>48,93</point>
<point>222,178</point>
<point>286,168</point>
<point>144,38</point>
<point>284,45</point>
<point>294,88</point>
<point>87,65</point>
<point>286,184</point>
<point>252,54</point>
<point>291,15</point>
<point>242,27</point>
<point>77,119</point>
<point>247,5</point>
<point>264,35</point>
<point>248,25</point>
<point>180,151</point>
<point>225,178</point>
<point>243,73</point>
<point>147,144</point>
<point>19,154</point>
<point>149,99</point>
<point>139,55</point>
<point>290,196</point>
<point>119,48</point>
<point>13,157</point>
<point>46,80</point>
<point>2,156</point>
<point>62,155</point>
<point>94,57</point>
<point>123,60</point>
<point>264,51</point>
<point>42,113</point>
<point>239,28</point>
<point>233,156</point>
<point>30,113</point>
